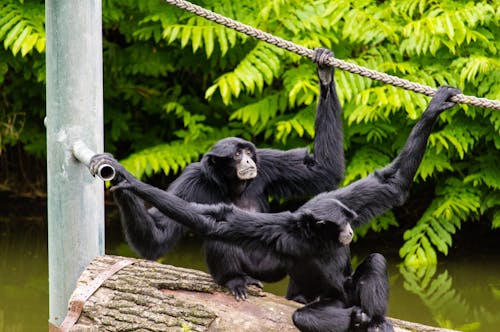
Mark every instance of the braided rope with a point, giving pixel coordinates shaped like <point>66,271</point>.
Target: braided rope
<point>332,61</point>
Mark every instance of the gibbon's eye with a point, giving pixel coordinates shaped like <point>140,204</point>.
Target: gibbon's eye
<point>249,153</point>
<point>237,154</point>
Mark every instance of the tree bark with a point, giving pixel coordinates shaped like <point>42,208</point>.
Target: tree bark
<point>148,296</point>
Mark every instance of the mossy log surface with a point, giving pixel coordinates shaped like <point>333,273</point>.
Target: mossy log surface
<point>148,296</point>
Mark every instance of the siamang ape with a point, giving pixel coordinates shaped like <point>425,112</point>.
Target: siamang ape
<point>235,172</point>
<point>313,242</point>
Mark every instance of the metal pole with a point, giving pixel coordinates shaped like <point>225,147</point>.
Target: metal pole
<point>74,112</point>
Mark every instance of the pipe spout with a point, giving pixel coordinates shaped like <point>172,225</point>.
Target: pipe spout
<point>83,154</point>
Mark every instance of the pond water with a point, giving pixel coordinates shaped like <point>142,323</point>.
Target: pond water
<point>463,293</point>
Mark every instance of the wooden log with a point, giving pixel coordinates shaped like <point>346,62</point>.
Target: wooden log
<point>148,296</point>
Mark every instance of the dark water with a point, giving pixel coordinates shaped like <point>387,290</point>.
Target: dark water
<point>463,294</point>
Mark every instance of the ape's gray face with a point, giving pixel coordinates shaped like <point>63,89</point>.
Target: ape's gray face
<point>327,210</point>
<point>346,234</point>
<point>246,168</point>
<point>345,231</point>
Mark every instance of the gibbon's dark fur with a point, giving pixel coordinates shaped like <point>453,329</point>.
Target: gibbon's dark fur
<point>311,242</point>
<point>280,174</point>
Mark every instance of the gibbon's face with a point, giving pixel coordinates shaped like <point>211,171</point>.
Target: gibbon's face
<point>246,168</point>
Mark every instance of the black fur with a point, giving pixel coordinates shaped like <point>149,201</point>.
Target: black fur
<point>281,174</point>
<point>307,242</point>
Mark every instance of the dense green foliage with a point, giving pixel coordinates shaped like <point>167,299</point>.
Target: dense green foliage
<point>176,83</point>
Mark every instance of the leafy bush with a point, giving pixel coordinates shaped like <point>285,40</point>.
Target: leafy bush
<point>172,81</point>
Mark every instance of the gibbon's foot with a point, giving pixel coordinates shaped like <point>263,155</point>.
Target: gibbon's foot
<point>238,286</point>
<point>359,319</point>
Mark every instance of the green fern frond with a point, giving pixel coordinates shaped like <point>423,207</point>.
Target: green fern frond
<point>349,85</point>
<point>302,122</point>
<point>481,38</point>
<point>272,8</point>
<point>372,21</point>
<point>412,8</point>
<point>196,31</point>
<point>22,26</point>
<point>301,85</point>
<point>175,155</point>
<point>455,202</point>
<point>495,222</point>
<point>260,66</point>
<point>376,132</point>
<point>476,67</point>
<point>418,249</point>
<point>365,161</point>
<point>378,224</point>
<point>259,114</point>
<point>458,136</point>
<point>401,68</point>
<point>131,61</point>
<point>385,100</point>
<point>488,172</point>
<point>433,163</point>
<point>495,121</point>
<point>193,123</point>
<point>150,26</point>
<point>365,114</point>
<point>490,201</point>
<point>168,158</point>
<point>302,18</point>
<point>449,27</point>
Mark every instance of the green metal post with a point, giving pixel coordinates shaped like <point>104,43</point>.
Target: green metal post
<point>74,113</point>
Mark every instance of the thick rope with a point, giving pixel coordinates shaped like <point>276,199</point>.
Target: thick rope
<point>332,61</point>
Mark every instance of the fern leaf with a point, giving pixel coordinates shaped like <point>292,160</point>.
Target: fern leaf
<point>378,224</point>
<point>488,172</point>
<point>433,163</point>
<point>495,222</point>
<point>262,111</point>
<point>165,157</point>
<point>377,132</point>
<point>426,252</point>
<point>251,73</point>
<point>301,86</point>
<point>13,33</point>
<point>457,200</point>
<point>197,31</point>
<point>7,25</point>
<point>369,21</point>
<point>378,103</point>
<point>22,27</point>
<point>458,136</point>
<point>449,28</point>
<point>475,67</point>
<point>302,122</point>
<point>365,161</point>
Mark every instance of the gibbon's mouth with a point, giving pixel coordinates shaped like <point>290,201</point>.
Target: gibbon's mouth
<point>247,173</point>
